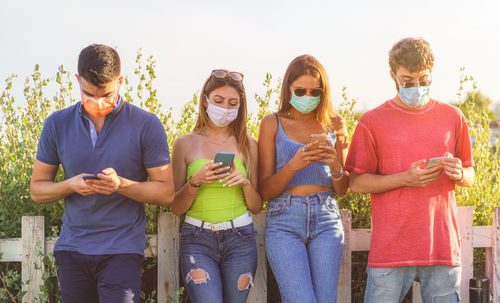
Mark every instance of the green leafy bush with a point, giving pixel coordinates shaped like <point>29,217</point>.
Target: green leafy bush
<point>21,126</point>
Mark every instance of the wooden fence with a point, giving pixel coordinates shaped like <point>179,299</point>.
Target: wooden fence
<point>165,246</point>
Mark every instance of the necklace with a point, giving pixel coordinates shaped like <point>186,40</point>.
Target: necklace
<point>292,116</point>
<point>219,145</point>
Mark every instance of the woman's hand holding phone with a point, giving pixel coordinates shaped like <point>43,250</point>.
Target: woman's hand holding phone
<point>208,173</point>
<point>234,178</point>
<point>329,156</point>
<point>305,155</point>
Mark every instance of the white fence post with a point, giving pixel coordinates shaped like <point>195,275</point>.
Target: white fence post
<point>465,225</point>
<point>33,238</point>
<point>344,282</point>
<point>30,249</point>
<point>495,239</point>
<point>168,255</point>
<point>258,293</point>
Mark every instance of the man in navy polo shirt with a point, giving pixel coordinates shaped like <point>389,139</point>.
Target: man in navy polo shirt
<point>100,249</point>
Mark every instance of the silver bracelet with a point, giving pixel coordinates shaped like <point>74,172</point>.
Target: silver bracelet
<point>338,176</point>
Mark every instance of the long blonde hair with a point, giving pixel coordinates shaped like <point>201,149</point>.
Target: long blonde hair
<point>308,65</point>
<point>238,126</point>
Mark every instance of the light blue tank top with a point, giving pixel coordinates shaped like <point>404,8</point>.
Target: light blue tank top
<point>317,173</point>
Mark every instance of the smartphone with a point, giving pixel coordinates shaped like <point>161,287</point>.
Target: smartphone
<point>322,138</point>
<point>226,159</point>
<point>434,162</point>
<point>93,177</point>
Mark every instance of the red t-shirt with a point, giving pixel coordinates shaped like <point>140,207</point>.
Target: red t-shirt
<point>411,226</point>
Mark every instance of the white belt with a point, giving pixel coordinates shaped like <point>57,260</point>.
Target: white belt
<point>242,220</point>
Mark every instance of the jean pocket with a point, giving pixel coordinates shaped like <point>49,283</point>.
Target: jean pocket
<point>379,272</point>
<point>331,205</point>
<point>275,207</point>
<point>246,231</point>
<point>189,231</point>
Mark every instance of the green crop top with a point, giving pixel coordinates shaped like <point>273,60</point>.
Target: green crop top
<point>214,203</point>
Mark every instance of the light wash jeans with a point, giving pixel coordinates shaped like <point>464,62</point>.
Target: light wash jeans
<point>224,257</point>
<point>304,245</point>
<point>438,283</point>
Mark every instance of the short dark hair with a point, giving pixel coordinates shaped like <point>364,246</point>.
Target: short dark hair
<point>99,64</point>
<point>412,53</point>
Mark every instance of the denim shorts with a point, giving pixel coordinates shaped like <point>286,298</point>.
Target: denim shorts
<point>438,283</point>
<point>304,246</point>
<point>218,266</point>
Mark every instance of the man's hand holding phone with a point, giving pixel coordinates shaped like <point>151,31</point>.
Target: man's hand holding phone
<point>420,177</point>
<point>453,167</point>
<point>80,186</point>
<point>434,162</point>
<point>107,182</point>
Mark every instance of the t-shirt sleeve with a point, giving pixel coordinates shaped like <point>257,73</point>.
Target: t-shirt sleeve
<point>463,147</point>
<point>362,157</point>
<point>47,145</point>
<point>155,145</point>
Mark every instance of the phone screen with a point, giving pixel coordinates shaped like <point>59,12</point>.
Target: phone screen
<point>322,138</point>
<point>94,177</point>
<point>434,162</point>
<point>226,159</point>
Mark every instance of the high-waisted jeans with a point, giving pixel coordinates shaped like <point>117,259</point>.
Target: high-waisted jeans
<point>304,246</point>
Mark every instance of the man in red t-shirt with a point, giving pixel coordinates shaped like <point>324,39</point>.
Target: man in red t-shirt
<point>414,214</point>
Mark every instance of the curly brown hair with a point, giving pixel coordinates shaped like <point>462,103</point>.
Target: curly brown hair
<point>414,54</point>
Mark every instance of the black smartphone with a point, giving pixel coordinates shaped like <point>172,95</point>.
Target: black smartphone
<point>226,159</point>
<point>93,177</point>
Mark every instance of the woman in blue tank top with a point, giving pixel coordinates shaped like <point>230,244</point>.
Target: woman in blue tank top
<point>299,175</point>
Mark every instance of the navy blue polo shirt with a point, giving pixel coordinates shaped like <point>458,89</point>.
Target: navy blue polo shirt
<point>131,140</point>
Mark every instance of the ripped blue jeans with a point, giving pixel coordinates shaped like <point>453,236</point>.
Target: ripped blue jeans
<point>438,283</point>
<point>304,246</point>
<point>218,266</point>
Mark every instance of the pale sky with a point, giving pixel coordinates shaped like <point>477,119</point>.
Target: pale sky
<point>190,38</point>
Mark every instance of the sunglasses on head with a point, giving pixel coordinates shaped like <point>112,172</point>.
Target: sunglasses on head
<point>315,92</point>
<point>222,73</point>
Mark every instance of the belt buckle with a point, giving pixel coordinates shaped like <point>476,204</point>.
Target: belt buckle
<point>212,226</point>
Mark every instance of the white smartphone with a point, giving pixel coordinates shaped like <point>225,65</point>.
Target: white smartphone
<point>434,162</point>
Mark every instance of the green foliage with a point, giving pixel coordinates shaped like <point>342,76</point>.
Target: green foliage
<point>477,102</point>
<point>21,127</point>
<point>484,194</point>
<point>10,290</point>
<point>266,104</point>
<point>359,204</point>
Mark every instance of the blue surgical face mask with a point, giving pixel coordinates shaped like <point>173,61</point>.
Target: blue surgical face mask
<point>412,96</point>
<point>304,104</point>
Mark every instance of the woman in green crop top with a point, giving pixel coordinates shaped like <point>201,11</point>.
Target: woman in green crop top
<point>218,249</point>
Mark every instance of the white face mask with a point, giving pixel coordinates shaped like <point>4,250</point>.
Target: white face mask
<point>221,116</point>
